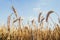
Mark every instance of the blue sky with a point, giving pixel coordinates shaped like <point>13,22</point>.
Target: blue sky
<point>28,8</point>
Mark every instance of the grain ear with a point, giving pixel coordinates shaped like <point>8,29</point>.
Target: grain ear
<point>14,10</point>
<point>8,22</point>
<point>49,12</point>
<point>39,17</point>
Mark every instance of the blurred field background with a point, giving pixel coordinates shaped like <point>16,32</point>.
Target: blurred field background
<point>31,20</point>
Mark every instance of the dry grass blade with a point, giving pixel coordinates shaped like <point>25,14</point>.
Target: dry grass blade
<point>39,17</point>
<point>49,12</point>
<point>14,11</point>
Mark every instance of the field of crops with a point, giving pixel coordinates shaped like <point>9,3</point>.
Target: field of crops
<point>30,31</point>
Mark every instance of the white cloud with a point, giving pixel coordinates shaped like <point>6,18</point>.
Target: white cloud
<point>36,9</point>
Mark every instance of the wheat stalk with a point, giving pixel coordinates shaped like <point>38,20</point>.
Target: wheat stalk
<point>15,20</point>
<point>14,10</point>
<point>42,19</point>
<point>39,17</point>
<point>49,12</point>
<point>8,23</point>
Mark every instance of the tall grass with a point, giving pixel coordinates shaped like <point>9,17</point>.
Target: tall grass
<point>28,33</point>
